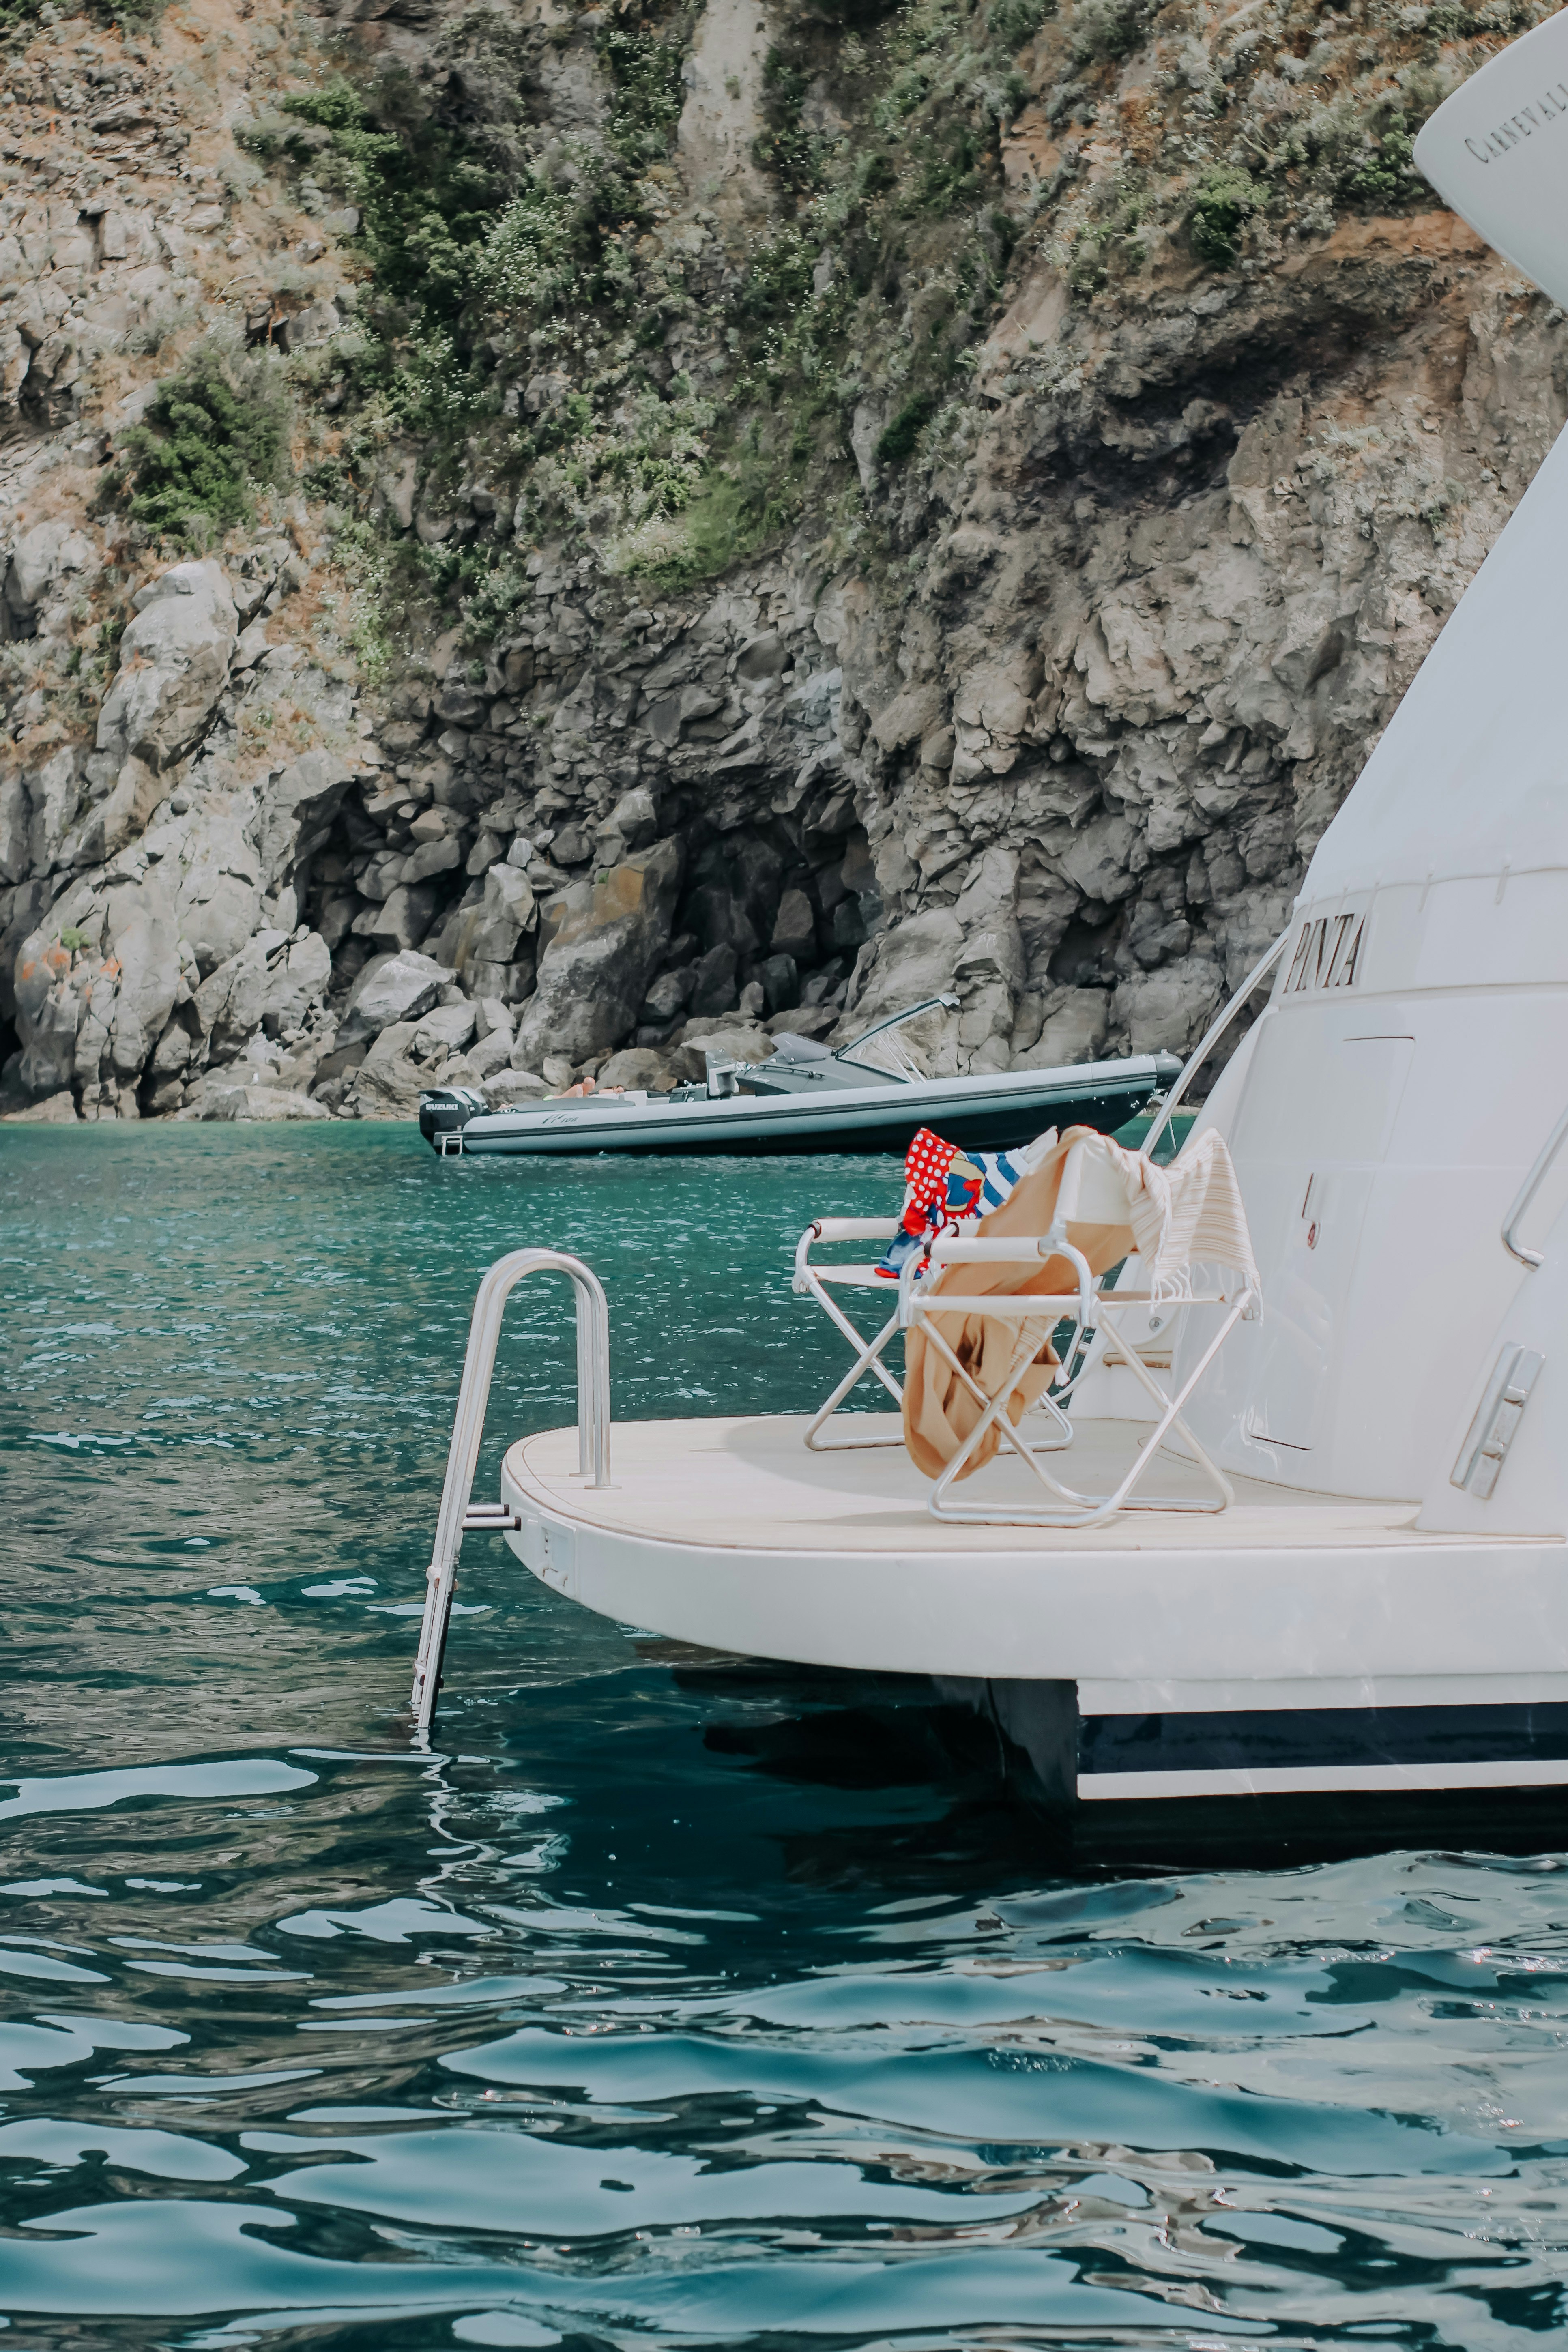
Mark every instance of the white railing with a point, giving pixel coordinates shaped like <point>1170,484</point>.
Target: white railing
<point>1529,1258</point>
<point>468,1429</point>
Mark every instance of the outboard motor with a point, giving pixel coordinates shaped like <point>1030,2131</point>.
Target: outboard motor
<point>446,1110</point>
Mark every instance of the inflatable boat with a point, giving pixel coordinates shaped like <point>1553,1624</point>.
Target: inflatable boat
<point>868,1095</point>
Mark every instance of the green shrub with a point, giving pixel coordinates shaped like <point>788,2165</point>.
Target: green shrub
<point>1106,28</point>
<point>896,444</point>
<point>1386,172</point>
<point>336,106</point>
<point>650,94</point>
<point>527,261</point>
<point>215,434</point>
<point>1225,195</point>
<point>1012,22</point>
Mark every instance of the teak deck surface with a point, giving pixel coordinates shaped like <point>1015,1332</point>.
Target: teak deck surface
<point>750,1485</point>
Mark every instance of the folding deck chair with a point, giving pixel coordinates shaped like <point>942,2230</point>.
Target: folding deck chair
<point>812,1280</point>
<point>1096,1190</point>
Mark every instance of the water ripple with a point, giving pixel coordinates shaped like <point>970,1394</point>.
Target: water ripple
<point>680,2000</point>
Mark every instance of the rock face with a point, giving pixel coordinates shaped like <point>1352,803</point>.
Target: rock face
<point>1111,543</point>
<point>604,942</point>
<point>174,659</point>
<point>392,989</point>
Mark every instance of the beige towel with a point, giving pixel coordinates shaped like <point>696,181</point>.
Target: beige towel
<point>1188,1214</point>
<point>940,1411</point>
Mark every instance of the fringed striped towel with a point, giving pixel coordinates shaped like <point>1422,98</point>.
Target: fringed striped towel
<point>1188,1214</point>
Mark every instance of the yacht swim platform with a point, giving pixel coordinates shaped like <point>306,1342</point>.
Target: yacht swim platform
<point>727,1532</point>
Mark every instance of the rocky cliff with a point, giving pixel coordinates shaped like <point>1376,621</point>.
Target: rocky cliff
<point>534,536</point>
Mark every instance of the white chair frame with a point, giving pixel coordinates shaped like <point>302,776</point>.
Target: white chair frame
<point>1091,1309</point>
<point>810,1281</point>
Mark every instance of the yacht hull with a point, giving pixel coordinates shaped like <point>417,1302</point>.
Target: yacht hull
<point>1298,1646</point>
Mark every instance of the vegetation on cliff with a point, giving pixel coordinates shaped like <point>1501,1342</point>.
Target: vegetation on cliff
<point>681,398</point>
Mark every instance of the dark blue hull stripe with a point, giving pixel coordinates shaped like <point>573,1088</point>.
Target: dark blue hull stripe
<point>1267,1738</point>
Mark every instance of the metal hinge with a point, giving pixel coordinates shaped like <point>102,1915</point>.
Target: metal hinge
<point>1496,1420</point>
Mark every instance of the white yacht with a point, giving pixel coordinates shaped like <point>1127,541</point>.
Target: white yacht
<point>1353,1580</point>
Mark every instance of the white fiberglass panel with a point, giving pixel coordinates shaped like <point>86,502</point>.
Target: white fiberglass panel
<point>1471,775</point>
<point>1496,150</point>
<point>1378,1145</point>
<point>1490,930</point>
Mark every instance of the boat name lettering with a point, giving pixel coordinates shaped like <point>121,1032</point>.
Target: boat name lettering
<point>1327,954</point>
<point>1491,146</point>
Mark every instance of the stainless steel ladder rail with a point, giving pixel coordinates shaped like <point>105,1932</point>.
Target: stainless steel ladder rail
<point>468,1429</point>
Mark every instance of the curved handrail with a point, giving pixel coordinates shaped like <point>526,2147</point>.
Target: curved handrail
<point>468,1425</point>
<point>1531,1259</point>
<point>1208,1041</point>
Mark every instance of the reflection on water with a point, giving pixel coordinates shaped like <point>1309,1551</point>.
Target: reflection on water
<point>679,2000</point>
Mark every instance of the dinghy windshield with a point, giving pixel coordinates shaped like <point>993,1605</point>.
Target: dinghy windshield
<point>890,1054</point>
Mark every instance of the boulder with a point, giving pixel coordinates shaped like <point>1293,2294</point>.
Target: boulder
<point>388,1082</point>
<point>445,1030</point>
<point>814,1021</point>
<point>515,1086</point>
<point>601,943</point>
<point>231,1001</point>
<point>735,1042</point>
<point>55,1110</point>
<point>1168,1010</point>
<point>392,989</point>
<point>1076,1024</point>
<point>38,560</point>
<point>296,982</point>
<point>258,1103</point>
<point>405,918</point>
<point>314,324</point>
<point>780,982</point>
<point>488,943</point>
<point>635,817</point>
<point>915,959</point>
<point>174,659</point>
<point>714,980</point>
<point>669,994</point>
<point>638,1066</point>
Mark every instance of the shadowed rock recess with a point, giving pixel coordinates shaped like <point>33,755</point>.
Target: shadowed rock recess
<point>533,537</point>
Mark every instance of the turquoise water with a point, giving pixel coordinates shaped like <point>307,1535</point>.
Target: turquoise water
<point>678,2001</point>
